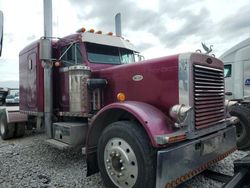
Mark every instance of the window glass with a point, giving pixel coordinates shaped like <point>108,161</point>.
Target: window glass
<point>72,56</point>
<point>108,54</point>
<point>127,56</point>
<point>227,70</point>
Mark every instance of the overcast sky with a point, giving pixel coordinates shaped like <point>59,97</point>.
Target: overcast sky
<point>157,28</point>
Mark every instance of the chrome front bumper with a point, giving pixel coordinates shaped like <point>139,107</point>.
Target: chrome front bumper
<point>181,162</point>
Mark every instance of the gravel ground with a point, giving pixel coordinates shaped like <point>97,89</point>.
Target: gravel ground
<point>30,162</point>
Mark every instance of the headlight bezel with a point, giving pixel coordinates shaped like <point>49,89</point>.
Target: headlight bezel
<point>180,114</point>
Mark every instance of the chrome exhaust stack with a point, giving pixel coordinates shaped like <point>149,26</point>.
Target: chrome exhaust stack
<point>45,56</point>
<point>118,26</point>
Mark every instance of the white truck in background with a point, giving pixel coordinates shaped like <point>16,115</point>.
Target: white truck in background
<point>237,87</point>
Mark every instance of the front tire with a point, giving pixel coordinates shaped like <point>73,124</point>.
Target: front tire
<point>125,156</point>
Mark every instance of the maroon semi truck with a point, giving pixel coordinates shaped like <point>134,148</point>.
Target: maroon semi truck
<point>151,123</point>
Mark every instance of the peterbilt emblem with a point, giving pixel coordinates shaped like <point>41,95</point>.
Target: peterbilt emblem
<point>137,77</point>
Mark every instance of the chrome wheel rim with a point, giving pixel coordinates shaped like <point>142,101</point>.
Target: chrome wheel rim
<point>120,163</point>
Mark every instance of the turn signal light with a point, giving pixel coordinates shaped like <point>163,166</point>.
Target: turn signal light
<point>177,138</point>
<point>121,97</point>
<point>57,64</point>
<point>91,30</point>
<point>110,33</point>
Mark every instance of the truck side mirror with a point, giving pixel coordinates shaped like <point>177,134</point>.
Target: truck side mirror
<point>141,58</point>
<point>1,31</point>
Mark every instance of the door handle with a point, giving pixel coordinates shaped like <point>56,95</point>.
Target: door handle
<point>229,93</point>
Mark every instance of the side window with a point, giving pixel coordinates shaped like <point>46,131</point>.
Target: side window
<point>227,70</point>
<point>72,56</point>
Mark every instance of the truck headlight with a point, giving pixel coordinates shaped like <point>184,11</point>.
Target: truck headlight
<point>228,104</point>
<point>179,113</point>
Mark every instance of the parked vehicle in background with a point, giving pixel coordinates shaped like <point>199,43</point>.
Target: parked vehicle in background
<point>237,86</point>
<point>3,94</point>
<point>10,100</point>
<point>16,99</point>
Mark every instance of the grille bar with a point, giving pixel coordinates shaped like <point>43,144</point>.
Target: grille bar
<point>208,113</point>
<point>208,109</point>
<point>210,80</point>
<point>208,96</point>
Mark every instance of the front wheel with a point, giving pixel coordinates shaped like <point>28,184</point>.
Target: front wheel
<point>125,156</point>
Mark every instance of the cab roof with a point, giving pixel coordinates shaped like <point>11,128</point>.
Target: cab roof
<point>108,40</point>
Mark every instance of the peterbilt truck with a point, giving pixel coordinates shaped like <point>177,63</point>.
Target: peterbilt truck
<point>153,123</point>
<point>237,86</point>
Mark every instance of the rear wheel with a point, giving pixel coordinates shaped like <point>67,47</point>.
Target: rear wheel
<point>125,156</point>
<point>19,129</point>
<point>243,127</point>
<point>6,130</point>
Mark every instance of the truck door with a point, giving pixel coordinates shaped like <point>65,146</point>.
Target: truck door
<point>72,56</point>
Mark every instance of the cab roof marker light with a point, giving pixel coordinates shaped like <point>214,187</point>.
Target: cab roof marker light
<point>98,32</point>
<point>81,30</point>
<point>91,30</point>
<point>110,33</point>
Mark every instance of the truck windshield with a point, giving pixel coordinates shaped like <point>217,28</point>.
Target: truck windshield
<point>108,54</point>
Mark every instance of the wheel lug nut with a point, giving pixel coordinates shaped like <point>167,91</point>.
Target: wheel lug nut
<point>121,161</point>
<point>117,155</point>
<point>120,174</point>
<point>123,168</point>
<point>107,160</point>
<point>112,153</point>
<point>111,173</point>
<point>108,167</point>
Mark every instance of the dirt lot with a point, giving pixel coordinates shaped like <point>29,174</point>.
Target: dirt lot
<point>30,162</point>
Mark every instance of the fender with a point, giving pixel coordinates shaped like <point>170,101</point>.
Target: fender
<point>149,117</point>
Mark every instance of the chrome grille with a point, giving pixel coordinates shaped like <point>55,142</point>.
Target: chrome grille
<point>208,96</point>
